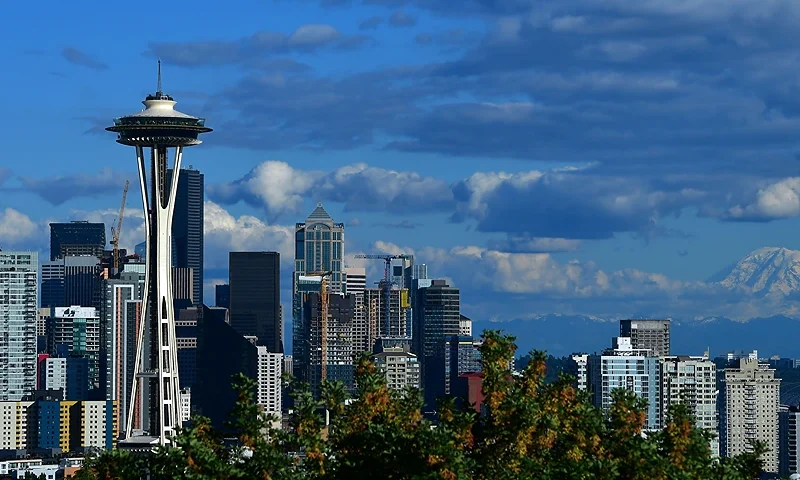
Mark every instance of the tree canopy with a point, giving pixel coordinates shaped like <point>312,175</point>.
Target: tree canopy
<point>531,429</point>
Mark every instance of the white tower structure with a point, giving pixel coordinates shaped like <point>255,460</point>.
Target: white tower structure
<point>159,128</point>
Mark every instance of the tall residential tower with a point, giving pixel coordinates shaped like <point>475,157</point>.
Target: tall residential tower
<point>18,272</point>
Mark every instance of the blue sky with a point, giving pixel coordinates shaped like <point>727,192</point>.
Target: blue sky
<point>589,157</point>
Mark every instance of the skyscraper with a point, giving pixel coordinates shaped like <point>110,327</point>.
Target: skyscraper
<point>120,321</point>
<point>325,353</point>
<point>187,226</point>
<point>255,288</point>
<point>319,247</point>
<point>650,335</point>
<point>355,279</point>
<point>437,317</point>
<point>399,307</point>
<point>691,380</point>
<point>270,370</point>
<point>749,413</point>
<point>70,280</point>
<point>79,329</point>
<point>625,367</point>
<point>77,238</point>
<point>789,426</point>
<point>18,275</point>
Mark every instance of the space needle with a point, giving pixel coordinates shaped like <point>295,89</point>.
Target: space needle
<point>158,128</point>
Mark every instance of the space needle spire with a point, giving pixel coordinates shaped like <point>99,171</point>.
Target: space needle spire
<point>158,128</point>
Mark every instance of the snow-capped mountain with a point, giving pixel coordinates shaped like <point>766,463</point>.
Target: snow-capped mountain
<point>769,271</point>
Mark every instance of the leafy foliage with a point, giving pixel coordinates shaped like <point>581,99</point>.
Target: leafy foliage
<point>533,429</point>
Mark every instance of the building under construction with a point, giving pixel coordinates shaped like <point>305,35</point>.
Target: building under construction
<point>323,334</point>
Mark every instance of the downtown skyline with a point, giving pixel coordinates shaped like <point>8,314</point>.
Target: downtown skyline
<point>566,158</point>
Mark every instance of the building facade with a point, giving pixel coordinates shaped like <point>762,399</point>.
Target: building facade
<point>436,317</point>
<point>319,247</point>
<point>788,423</point>
<point>79,329</point>
<point>749,411</point>
<point>77,238</point>
<point>693,381</point>
<point>255,297</point>
<point>399,311</point>
<point>18,317</point>
<point>270,371</point>
<point>581,364</point>
<point>71,426</point>
<point>329,354</point>
<point>462,355</point>
<point>355,280</point>
<point>650,335</point>
<point>465,326</point>
<point>222,295</point>
<point>399,367</point>
<point>54,374</point>
<point>623,367</point>
<point>187,227</point>
<point>120,320</point>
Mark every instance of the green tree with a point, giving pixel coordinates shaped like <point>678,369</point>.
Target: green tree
<point>533,429</point>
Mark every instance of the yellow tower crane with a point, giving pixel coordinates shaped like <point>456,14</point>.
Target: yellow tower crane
<point>115,231</point>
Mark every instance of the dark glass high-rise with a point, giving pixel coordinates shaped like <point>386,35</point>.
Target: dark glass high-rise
<point>255,297</point>
<point>187,227</point>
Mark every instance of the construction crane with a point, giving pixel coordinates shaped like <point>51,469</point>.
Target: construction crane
<point>387,283</point>
<point>323,300</point>
<point>115,231</point>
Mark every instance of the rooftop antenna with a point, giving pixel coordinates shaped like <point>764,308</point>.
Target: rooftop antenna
<point>159,76</point>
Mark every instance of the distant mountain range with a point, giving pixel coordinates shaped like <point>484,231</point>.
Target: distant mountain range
<point>564,334</point>
<point>769,273</point>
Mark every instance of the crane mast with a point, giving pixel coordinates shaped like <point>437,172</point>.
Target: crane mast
<point>115,232</point>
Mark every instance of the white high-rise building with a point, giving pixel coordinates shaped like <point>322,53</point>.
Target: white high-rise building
<point>15,418</point>
<point>465,326</point>
<point>19,314</point>
<point>270,370</point>
<point>186,404</point>
<point>581,361</point>
<point>751,397</point>
<point>692,380</point>
<point>54,374</point>
<point>400,367</point>
<point>355,280</point>
<point>623,366</point>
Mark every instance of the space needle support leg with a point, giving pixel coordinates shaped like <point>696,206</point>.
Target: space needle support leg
<point>168,388</point>
<point>143,319</point>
